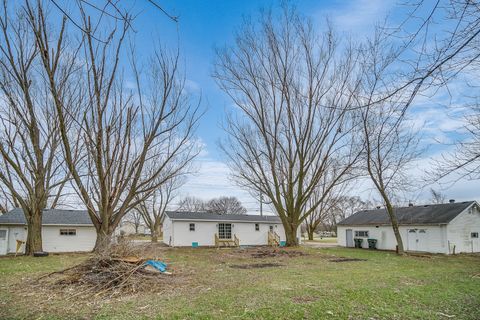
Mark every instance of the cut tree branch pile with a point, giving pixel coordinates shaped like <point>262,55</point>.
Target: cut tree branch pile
<point>122,271</point>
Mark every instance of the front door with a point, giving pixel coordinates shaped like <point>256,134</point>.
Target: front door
<point>3,241</point>
<point>349,235</point>
<point>225,231</point>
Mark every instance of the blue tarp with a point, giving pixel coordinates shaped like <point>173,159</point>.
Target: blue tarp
<point>160,266</point>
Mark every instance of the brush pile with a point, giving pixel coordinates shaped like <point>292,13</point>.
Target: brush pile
<point>120,269</point>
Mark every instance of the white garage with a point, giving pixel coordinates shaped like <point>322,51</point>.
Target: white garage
<point>437,228</point>
<point>182,229</point>
<point>62,231</point>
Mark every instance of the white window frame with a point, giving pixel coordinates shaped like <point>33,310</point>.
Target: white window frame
<point>223,232</point>
<point>257,226</point>
<point>68,232</point>
<point>358,232</point>
<point>191,227</point>
<point>474,235</point>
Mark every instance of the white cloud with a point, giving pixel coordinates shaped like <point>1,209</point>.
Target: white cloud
<point>357,16</point>
<point>192,87</point>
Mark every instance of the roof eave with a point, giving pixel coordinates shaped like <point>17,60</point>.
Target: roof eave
<point>216,220</point>
<point>389,225</point>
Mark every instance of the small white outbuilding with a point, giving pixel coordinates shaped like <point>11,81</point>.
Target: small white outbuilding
<point>62,231</point>
<point>437,228</point>
<point>192,229</point>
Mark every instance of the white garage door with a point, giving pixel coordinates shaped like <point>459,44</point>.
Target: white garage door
<point>417,240</point>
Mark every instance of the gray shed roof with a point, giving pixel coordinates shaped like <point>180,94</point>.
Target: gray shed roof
<point>415,215</point>
<point>178,215</point>
<point>49,217</point>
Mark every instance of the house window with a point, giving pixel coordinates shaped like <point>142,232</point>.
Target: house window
<point>271,228</point>
<point>474,234</point>
<point>192,226</point>
<point>3,234</point>
<point>225,231</point>
<point>68,232</point>
<point>361,234</point>
<point>257,227</point>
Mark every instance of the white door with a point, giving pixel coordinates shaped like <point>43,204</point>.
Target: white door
<point>349,240</point>
<point>412,240</point>
<point>3,241</point>
<point>422,240</point>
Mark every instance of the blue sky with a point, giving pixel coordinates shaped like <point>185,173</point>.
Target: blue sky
<point>204,25</point>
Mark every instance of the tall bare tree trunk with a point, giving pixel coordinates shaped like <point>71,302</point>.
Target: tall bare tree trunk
<point>103,241</point>
<point>155,234</point>
<point>34,233</point>
<point>396,230</point>
<point>310,231</point>
<point>291,233</point>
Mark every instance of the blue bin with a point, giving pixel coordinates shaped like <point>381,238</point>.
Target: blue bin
<point>194,244</point>
<point>283,243</point>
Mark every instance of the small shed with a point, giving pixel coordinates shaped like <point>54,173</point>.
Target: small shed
<point>182,229</point>
<point>62,231</point>
<point>437,228</point>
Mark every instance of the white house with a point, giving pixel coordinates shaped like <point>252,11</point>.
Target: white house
<point>128,228</point>
<point>182,229</point>
<point>62,231</point>
<point>436,228</point>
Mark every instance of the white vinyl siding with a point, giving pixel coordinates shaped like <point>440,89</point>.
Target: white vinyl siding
<point>178,232</point>
<point>83,239</point>
<point>459,231</point>
<point>53,240</point>
<point>435,241</point>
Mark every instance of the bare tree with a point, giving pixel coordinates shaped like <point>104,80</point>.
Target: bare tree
<point>390,148</point>
<point>293,90</point>
<point>320,215</point>
<point>32,171</point>
<point>348,205</point>
<point>442,47</point>
<point>225,205</point>
<point>132,142</point>
<point>134,217</point>
<point>437,196</point>
<point>191,204</point>
<point>327,207</point>
<point>152,210</point>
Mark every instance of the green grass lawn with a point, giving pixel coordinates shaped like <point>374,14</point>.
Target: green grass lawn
<point>384,286</point>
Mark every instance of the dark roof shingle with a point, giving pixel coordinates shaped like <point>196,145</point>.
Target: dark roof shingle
<point>49,217</point>
<point>420,215</point>
<point>177,215</point>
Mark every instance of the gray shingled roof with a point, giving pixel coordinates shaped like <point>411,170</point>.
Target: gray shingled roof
<point>415,215</point>
<point>49,217</point>
<point>176,215</point>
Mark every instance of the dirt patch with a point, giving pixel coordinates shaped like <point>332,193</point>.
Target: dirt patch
<point>346,259</point>
<point>256,265</point>
<point>272,253</point>
<point>304,299</point>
